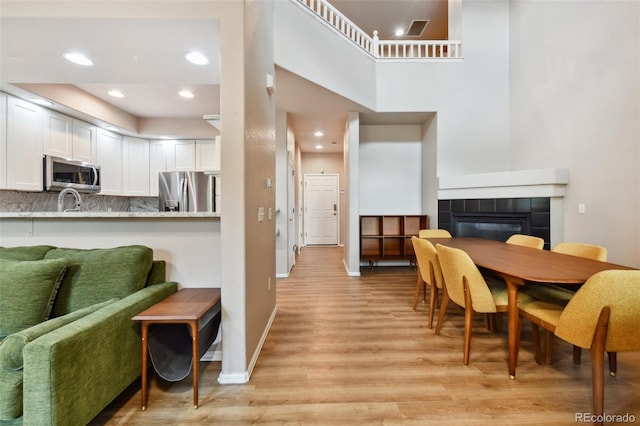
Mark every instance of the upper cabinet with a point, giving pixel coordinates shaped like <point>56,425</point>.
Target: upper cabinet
<point>23,145</point>
<point>135,166</point>
<point>109,158</point>
<point>157,164</point>
<point>208,155</point>
<point>68,137</point>
<point>181,156</point>
<point>57,132</point>
<point>85,141</point>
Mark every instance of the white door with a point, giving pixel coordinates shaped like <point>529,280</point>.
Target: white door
<point>291,215</point>
<point>321,209</point>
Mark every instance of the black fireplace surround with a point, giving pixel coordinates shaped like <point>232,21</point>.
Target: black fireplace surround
<point>496,218</point>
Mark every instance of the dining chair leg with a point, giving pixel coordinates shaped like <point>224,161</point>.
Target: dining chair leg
<point>536,343</point>
<point>419,285</point>
<point>613,363</point>
<point>577,354</point>
<point>443,309</point>
<point>468,321</point>
<point>548,346</point>
<point>597,362</point>
<point>433,300</point>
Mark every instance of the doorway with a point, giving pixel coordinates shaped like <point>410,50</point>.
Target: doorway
<point>321,208</point>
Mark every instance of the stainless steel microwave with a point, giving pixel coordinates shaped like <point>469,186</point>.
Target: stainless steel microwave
<point>60,173</point>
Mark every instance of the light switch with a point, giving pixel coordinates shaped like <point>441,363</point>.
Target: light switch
<point>582,208</point>
<point>270,213</point>
<point>260,214</point>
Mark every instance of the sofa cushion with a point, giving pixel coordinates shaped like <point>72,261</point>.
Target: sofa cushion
<point>11,358</point>
<point>96,275</point>
<point>27,290</point>
<point>24,252</point>
<point>11,347</point>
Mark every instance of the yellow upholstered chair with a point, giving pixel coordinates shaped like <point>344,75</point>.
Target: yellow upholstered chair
<point>434,233</point>
<point>428,272</point>
<point>466,287</point>
<point>588,251</point>
<point>526,241</point>
<point>561,294</point>
<point>601,316</point>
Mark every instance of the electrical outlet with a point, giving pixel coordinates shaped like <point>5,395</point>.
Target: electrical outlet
<point>582,208</point>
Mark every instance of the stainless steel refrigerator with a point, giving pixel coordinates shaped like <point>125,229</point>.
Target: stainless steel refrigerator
<point>188,192</point>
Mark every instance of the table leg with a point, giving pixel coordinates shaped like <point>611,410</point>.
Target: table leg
<point>195,349</point>
<point>514,335</point>
<point>145,329</point>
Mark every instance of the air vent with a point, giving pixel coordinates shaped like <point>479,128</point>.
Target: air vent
<point>417,27</point>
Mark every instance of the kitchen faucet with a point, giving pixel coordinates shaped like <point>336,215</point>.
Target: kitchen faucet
<point>75,194</point>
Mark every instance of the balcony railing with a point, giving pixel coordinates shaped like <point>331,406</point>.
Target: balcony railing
<point>383,49</point>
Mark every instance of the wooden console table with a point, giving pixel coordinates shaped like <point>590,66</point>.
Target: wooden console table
<point>192,306</point>
<point>388,237</point>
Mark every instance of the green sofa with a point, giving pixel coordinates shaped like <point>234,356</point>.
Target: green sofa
<point>68,345</point>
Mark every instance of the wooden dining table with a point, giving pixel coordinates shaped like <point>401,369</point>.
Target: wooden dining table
<point>519,265</point>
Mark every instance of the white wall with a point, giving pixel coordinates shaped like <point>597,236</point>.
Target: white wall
<point>575,104</point>
<point>390,179</point>
<point>191,247</point>
<point>308,48</point>
<point>470,97</point>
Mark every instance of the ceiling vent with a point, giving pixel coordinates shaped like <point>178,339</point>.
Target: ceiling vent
<point>417,27</point>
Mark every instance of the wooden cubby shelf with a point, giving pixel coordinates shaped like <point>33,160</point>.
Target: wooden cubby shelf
<point>388,237</point>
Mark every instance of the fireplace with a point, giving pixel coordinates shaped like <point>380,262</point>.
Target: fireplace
<point>496,218</point>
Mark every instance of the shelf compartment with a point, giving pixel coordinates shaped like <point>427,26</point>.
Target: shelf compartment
<point>392,246</point>
<point>413,224</point>
<point>391,225</point>
<point>370,225</point>
<point>371,247</point>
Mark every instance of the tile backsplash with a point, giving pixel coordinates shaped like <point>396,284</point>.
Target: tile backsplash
<point>17,201</point>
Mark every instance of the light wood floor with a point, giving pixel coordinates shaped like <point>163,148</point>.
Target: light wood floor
<point>346,351</point>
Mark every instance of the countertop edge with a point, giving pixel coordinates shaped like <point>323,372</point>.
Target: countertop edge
<point>106,215</point>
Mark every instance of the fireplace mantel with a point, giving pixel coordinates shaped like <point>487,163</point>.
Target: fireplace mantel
<point>511,184</point>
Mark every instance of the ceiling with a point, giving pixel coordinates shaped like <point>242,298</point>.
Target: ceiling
<point>125,58</point>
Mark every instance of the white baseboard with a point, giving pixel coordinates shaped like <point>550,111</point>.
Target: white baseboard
<point>349,273</point>
<point>282,275</point>
<point>240,378</point>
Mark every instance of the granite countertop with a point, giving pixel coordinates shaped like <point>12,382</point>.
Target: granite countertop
<point>107,215</point>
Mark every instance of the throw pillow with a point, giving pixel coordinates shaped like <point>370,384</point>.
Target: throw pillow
<point>27,291</point>
<point>24,252</point>
<point>11,347</point>
<point>96,275</point>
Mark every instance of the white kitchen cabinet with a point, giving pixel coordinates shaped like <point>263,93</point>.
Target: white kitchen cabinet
<point>135,166</point>
<point>85,141</point>
<point>181,155</point>
<point>208,155</point>
<point>3,140</point>
<point>23,145</point>
<point>109,158</point>
<point>57,134</point>
<point>157,164</point>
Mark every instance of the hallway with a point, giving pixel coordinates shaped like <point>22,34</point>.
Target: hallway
<point>345,350</point>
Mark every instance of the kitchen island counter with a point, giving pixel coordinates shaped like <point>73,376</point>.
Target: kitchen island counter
<point>107,215</point>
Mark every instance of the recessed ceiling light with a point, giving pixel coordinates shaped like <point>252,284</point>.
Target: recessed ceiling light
<point>197,58</point>
<point>40,101</point>
<point>186,94</point>
<point>399,32</point>
<point>78,59</point>
<point>318,146</point>
<point>318,133</point>
<point>116,93</point>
